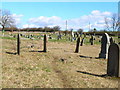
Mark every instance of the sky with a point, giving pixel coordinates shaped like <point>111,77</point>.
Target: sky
<point>85,15</point>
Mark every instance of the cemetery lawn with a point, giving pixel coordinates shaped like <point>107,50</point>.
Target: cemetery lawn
<point>60,67</point>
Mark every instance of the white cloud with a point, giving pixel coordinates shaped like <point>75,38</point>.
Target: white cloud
<point>96,19</point>
<point>17,18</point>
<point>30,26</point>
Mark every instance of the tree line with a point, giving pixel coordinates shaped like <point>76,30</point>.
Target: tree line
<point>7,22</point>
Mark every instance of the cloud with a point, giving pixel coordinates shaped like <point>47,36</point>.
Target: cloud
<point>45,21</point>
<point>95,18</point>
<point>17,18</point>
<point>30,26</point>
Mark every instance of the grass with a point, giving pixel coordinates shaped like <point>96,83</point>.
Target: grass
<point>45,70</point>
<point>12,38</point>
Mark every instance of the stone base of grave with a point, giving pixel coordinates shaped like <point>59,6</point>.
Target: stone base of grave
<point>102,55</point>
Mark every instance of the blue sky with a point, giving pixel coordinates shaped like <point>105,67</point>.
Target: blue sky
<point>78,14</point>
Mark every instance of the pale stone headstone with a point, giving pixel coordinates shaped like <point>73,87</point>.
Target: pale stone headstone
<point>113,64</point>
<point>105,43</point>
<point>72,35</point>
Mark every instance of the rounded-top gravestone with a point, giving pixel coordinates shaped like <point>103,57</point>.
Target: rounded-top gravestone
<point>113,64</point>
<point>105,43</point>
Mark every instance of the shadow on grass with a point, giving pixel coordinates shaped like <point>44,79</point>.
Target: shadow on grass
<point>103,75</point>
<point>89,57</point>
<point>11,53</point>
<point>36,51</point>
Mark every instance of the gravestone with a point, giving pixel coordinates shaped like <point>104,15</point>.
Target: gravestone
<point>59,37</point>
<point>113,64</point>
<point>77,45</point>
<point>105,43</point>
<point>92,40</point>
<point>81,44</point>
<point>72,35</point>
<point>119,36</point>
<point>45,45</point>
<point>18,44</point>
<point>84,35</point>
<point>111,40</point>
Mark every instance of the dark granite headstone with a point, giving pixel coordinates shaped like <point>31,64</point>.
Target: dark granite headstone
<point>82,42</point>
<point>111,40</point>
<point>105,43</point>
<point>92,40</point>
<point>113,64</point>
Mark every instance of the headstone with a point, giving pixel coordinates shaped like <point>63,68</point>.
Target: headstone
<point>111,40</point>
<point>18,44</point>
<point>59,37</point>
<point>45,46</point>
<point>50,37</point>
<point>77,45</point>
<point>113,64</point>
<point>81,44</point>
<point>92,40</point>
<point>105,43</point>
<point>119,34</point>
<point>72,35</point>
<point>84,35</point>
<point>14,36</point>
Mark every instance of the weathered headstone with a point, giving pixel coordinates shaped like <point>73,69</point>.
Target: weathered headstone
<point>113,64</point>
<point>77,45</point>
<point>45,46</point>
<point>105,43</point>
<point>72,35</point>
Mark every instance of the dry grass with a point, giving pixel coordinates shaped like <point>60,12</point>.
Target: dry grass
<point>60,67</point>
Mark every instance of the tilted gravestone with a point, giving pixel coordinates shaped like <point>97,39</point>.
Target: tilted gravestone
<point>105,43</point>
<point>113,64</point>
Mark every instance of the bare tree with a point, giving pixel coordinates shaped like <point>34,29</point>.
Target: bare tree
<point>112,23</point>
<point>6,19</point>
<point>56,28</point>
